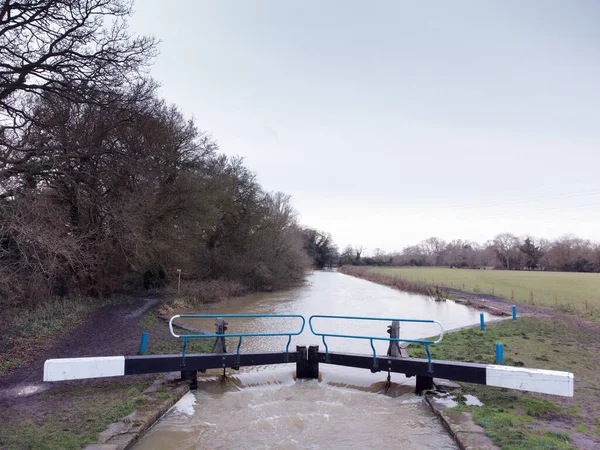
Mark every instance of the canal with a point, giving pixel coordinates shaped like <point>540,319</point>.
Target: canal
<point>264,407</point>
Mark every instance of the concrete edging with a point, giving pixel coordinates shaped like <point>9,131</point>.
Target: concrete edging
<point>122,434</point>
<point>466,433</point>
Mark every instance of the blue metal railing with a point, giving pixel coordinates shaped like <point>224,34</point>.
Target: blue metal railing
<point>185,337</point>
<point>426,342</point>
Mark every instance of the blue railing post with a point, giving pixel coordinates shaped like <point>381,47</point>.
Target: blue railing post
<point>499,353</point>
<point>514,311</point>
<point>143,343</point>
<point>481,322</point>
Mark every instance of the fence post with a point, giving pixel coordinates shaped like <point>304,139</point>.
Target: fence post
<point>143,343</point>
<point>499,353</point>
<point>481,322</point>
<point>514,312</point>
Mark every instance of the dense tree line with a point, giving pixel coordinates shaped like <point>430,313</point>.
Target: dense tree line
<point>354,256</point>
<point>320,248</point>
<point>103,185</point>
<point>505,251</point>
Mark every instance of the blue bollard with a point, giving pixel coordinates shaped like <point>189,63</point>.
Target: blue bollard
<point>499,353</point>
<point>514,312</point>
<point>482,322</point>
<point>143,343</point>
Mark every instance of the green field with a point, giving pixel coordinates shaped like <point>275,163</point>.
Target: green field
<point>577,293</point>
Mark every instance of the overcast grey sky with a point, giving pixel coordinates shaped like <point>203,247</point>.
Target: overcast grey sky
<point>389,121</point>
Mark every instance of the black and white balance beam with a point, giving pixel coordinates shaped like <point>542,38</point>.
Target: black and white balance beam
<point>520,378</point>
<point>65,369</point>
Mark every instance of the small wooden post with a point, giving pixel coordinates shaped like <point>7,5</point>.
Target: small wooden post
<point>394,332</point>
<point>219,345</point>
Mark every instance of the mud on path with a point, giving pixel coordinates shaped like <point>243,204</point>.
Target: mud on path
<point>112,330</point>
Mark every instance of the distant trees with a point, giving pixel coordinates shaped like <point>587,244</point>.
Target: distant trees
<point>570,253</point>
<point>531,252</point>
<point>506,246</point>
<point>348,256</point>
<point>459,253</point>
<point>505,251</point>
<point>354,256</point>
<point>433,250</point>
<point>320,248</point>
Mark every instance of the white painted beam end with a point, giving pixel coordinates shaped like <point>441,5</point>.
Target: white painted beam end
<point>532,380</point>
<point>64,369</point>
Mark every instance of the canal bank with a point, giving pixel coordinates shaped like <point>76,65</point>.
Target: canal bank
<point>64,405</point>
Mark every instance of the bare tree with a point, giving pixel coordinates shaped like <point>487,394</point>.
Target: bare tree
<point>359,251</point>
<point>434,250</point>
<point>78,50</point>
<point>56,45</point>
<point>505,245</point>
<point>571,253</point>
<point>460,253</point>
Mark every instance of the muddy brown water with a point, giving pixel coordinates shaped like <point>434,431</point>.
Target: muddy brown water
<point>264,407</point>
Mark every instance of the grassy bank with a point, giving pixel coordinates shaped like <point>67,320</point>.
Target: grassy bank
<point>84,412</point>
<point>573,293</point>
<point>518,420</point>
<point>198,292</point>
<point>368,273</point>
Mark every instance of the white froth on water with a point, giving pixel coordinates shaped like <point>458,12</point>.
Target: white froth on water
<point>308,414</point>
<point>186,404</point>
